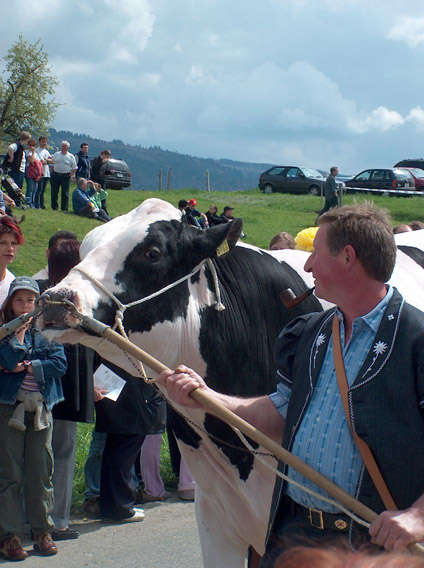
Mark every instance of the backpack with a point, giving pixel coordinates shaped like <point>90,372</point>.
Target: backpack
<point>35,170</point>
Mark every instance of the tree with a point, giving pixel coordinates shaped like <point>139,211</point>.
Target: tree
<point>26,95</point>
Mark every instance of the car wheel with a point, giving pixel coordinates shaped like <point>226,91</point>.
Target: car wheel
<point>268,188</point>
<point>314,190</point>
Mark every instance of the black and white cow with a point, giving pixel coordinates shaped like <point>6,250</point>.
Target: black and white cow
<point>144,251</point>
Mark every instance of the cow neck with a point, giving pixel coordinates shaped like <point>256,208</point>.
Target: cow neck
<point>119,315</point>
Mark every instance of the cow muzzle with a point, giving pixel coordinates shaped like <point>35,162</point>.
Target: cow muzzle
<point>59,309</point>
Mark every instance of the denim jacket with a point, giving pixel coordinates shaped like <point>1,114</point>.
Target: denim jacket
<point>48,361</point>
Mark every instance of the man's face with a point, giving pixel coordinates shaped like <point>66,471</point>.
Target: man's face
<point>83,184</point>
<point>43,142</point>
<point>84,148</point>
<point>64,148</point>
<point>229,213</point>
<point>325,268</point>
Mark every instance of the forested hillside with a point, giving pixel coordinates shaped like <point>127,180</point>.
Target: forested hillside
<point>187,171</point>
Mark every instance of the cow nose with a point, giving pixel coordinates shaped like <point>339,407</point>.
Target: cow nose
<point>55,314</point>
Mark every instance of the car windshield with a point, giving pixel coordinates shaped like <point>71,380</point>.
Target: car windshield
<point>311,173</point>
<point>417,172</point>
<point>402,174</point>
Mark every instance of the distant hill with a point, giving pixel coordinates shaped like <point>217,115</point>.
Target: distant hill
<point>187,171</point>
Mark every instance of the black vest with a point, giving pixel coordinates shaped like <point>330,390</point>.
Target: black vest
<point>15,165</point>
<point>386,399</point>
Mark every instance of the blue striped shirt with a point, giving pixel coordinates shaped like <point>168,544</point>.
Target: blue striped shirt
<point>323,439</point>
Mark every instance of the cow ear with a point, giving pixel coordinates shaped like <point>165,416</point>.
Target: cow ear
<point>224,237</point>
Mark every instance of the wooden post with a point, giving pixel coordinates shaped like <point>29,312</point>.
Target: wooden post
<point>160,179</point>
<point>169,178</point>
<point>208,187</point>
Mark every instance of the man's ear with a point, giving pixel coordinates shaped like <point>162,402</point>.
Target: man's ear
<point>349,255</point>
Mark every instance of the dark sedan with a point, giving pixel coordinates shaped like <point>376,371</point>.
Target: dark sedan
<point>291,179</point>
<point>382,179</point>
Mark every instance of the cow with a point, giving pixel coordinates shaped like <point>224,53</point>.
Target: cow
<point>146,251</point>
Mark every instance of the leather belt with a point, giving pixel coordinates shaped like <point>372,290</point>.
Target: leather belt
<point>317,519</point>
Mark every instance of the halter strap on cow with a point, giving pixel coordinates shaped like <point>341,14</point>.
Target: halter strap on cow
<point>363,447</point>
<point>119,316</point>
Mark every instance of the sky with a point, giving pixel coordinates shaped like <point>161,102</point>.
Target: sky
<point>302,82</point>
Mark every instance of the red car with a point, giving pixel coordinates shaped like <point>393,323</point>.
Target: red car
<point>418,175</point>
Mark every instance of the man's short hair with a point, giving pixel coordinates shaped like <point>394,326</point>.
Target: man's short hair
<point>182,203</point>
<point>65,235</point>
<point>333,169</point>
<point>368,230</point>
<point>106,153</point>
<point>65,143</point>
<point>42,138</point>
<point>83,144</point>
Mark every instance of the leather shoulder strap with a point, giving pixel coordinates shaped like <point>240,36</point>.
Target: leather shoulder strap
<point>363,448</point>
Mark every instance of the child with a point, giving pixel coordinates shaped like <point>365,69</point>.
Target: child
<point>30,371</point>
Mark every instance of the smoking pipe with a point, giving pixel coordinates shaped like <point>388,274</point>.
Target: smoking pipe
<point>290,300</point>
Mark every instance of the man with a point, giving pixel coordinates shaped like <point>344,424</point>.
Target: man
<point>16,160</point>
<point>330,191</point>
<point>54,240</point>
<point>192,213</point>
<point>382,342</point>
<point>64,167</point>
<point>83,162</point>
<point>227,214</point>
<point>46,160</point>
<point>99,167</point>
<point>81,201</point>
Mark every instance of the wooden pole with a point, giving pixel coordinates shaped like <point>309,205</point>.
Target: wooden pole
<point>208,187</point>
<point>160,179</point>
<point>169,178</point>
<point>211,405</point>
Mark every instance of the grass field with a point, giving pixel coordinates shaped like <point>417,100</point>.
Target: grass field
<point>263,216</point>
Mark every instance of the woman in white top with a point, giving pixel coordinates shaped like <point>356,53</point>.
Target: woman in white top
<point>10,239</point>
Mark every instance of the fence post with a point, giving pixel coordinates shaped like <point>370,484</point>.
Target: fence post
<point>169,178</point>
<point>208,187</point>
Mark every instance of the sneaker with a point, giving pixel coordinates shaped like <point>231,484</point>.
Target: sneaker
<point>11,548</point>
<point>135,518</point>
<point>91,507</point>
<point>44,544</point>
<point>143,497</point>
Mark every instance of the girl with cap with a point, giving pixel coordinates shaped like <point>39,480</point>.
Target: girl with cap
<point>30,371</point>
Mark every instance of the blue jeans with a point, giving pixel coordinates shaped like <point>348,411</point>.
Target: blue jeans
<point>32,187</point>
<point>93,465</point>
<point>39,196</point>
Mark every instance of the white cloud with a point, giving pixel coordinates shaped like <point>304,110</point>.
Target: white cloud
<point>381,119</point>
<point>409,29</point>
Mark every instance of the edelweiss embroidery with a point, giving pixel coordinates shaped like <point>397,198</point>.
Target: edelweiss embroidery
<point>320,339</point>
<point>379,349</point>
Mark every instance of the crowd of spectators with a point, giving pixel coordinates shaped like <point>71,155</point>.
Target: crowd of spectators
<point>25,162</point>
<point>204,220</point>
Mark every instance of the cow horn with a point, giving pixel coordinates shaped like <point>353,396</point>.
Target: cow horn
<point>290,300</point>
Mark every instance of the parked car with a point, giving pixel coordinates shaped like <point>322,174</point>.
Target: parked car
<point>411,163</point>
<point>291,179</point>
<point>382,179</point>
<point>418,175</point>
<point>117,174</point>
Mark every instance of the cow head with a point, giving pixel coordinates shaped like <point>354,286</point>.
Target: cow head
<point>132,257</point>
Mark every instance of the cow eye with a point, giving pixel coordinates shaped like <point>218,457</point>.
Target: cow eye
<point>152,254</point>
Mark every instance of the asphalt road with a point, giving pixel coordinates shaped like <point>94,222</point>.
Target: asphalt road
<point>166,538</point>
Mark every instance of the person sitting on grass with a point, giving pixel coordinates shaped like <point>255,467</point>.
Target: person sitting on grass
<point>81,201</point>
<point>98,199</point>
